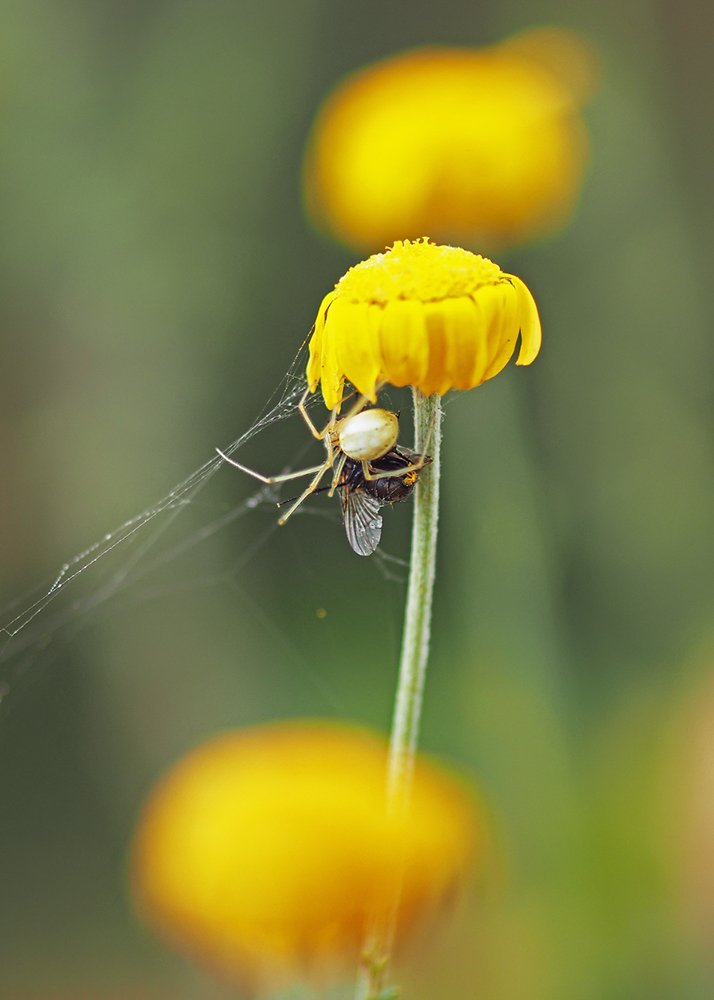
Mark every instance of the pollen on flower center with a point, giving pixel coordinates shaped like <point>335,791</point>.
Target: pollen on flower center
<point>410,270</point>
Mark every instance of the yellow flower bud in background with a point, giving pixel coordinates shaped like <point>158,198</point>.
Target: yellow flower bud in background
<point>472,146</point>
<point>430,316</point>
<point>266,853</point>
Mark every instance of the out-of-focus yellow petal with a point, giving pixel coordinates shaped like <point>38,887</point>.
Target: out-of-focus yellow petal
<point>563,53</point>
<point>265,854</point>
<point>472,145</point>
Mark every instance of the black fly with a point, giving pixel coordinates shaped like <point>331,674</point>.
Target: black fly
<point>361,498</point>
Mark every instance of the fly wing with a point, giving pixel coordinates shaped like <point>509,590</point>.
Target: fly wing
<point>363,522</point>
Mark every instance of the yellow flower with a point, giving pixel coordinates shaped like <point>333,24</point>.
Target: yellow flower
<point>477,146</point>
<point>429,316</point>
<point>265,853</point>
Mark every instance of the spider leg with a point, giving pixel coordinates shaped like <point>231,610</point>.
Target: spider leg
<point>319,473</point>
<point>359,404</point>
<point>314,483</point>
<point>284,478</point>
<point>320,435</point>
<point>339,464</point>
<point>415,467</point>
<point>330,425</point>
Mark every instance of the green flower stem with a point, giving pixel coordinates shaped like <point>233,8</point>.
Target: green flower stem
<point>415,652</point>
<point>417,619</point>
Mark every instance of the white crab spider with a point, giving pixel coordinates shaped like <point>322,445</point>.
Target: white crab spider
<point>364,436</point>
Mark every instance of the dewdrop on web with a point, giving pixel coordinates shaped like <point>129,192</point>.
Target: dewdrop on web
<point>484,147</point>
<point>265,854</point>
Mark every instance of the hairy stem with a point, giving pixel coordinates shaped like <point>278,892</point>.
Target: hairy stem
<point>412,669</point>
<point>417,619</point>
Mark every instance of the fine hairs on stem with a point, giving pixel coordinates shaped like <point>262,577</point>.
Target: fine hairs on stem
<point>412,668</point>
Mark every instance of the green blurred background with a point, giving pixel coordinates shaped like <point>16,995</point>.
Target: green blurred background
<point>158,277</point>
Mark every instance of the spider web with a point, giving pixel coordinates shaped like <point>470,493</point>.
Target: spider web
<point>62,605</point>
<point>116,570</point>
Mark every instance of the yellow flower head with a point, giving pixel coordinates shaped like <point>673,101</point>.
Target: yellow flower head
<point>266,853</point>
<point>477,146</point>
<point>429,316</point>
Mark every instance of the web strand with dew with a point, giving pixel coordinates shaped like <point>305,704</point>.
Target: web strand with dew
<point>29,623</point>
<point>113,573</point>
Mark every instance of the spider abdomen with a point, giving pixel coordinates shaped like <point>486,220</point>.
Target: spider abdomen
<point>368,435</point>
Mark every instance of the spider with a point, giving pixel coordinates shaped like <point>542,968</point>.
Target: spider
<point>361,450</point>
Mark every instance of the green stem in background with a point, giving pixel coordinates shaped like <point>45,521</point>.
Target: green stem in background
<point>415,652</point>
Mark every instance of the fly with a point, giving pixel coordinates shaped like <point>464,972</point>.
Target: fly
<point>361,498</point>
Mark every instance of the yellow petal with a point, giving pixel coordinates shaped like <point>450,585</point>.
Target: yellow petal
<point>356,338</point>
<point>405,347</point>
<point>314,365</point>
<point>267,853</point>
<point>529,322</point>
<point>331,378</point>
<point>502,302</point>
<point>437,378</point>
<point>466,344</point>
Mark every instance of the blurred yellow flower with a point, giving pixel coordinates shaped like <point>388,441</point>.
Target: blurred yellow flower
<point>266,853</point>
<point>478,146</point>
<point>430,316</point>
